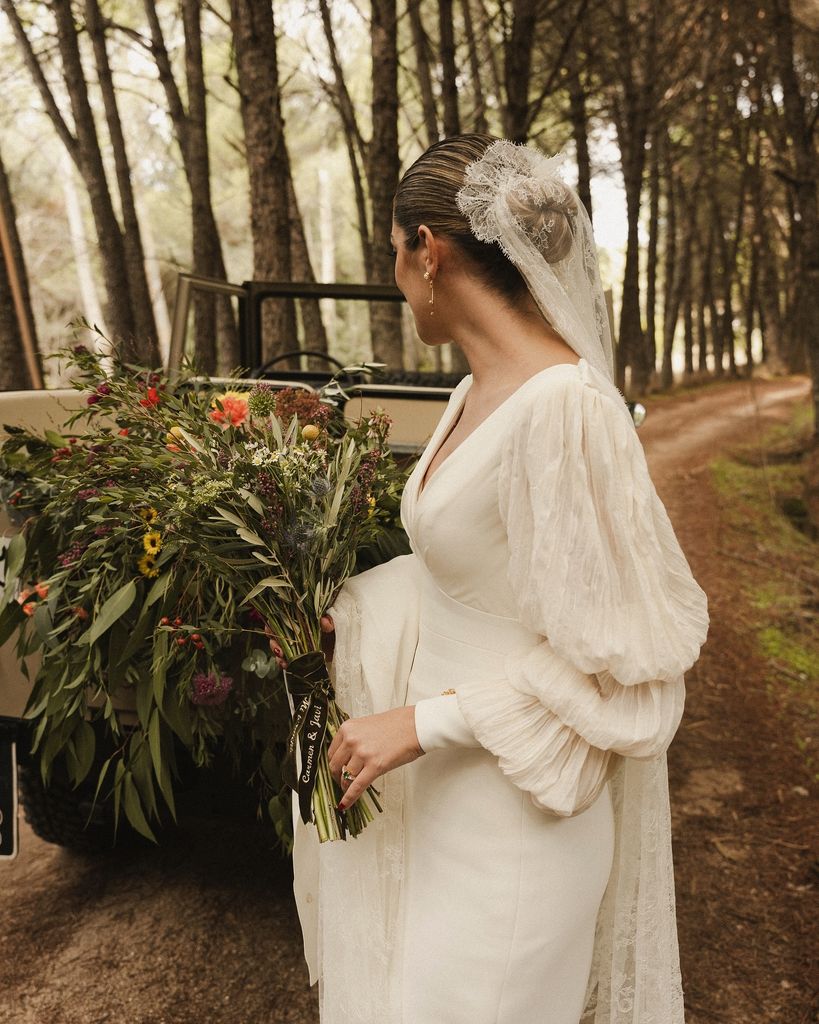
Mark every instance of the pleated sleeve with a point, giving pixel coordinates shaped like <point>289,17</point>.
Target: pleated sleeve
<point>597,571</point>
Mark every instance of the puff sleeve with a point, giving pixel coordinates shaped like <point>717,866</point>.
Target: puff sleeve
<point>597,571</point>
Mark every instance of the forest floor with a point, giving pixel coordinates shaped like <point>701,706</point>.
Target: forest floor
<point>203,929</point>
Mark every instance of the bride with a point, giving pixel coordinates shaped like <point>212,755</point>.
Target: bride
<point>516,680</point>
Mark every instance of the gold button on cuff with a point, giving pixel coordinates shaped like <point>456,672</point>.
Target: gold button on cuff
<point>445,692</point>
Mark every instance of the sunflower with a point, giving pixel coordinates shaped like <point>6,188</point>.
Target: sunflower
<point>147,567</point>
<point>152,542</point>
<point>149,515</point>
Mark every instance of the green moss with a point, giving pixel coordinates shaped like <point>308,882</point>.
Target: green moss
<point>803,660</point>
<point>757,490</point>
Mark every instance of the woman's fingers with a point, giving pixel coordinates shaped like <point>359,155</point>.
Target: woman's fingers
<point>363,778</point>
<point>354,767</point>
<point>275,647</point>
<point>328,636</point>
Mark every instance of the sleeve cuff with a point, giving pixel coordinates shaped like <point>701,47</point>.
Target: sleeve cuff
<point>439,724</point>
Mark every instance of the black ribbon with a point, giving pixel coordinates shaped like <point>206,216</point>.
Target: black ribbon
<point>308,683</point>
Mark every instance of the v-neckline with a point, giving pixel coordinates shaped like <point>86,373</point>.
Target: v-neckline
<point>423,487</point>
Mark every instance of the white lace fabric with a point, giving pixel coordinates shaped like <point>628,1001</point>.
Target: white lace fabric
<point>568,292</point>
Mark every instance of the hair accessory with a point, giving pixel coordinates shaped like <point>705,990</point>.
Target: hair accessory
<point>511,179</point>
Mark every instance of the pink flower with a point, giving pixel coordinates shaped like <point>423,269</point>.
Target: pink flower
<point>234,409</point>
<point>209,688</point>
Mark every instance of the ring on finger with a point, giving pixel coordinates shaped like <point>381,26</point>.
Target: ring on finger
<point>346,775</point>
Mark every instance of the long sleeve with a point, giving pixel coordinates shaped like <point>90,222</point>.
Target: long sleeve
<point>597,571</point>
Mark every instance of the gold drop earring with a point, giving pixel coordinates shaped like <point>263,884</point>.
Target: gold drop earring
<point>431,293</point>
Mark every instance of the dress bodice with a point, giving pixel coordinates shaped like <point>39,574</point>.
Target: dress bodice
<point>454,522</point>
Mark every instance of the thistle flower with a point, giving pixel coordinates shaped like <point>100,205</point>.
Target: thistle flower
<point>209,688</point>
<point>261,401</point>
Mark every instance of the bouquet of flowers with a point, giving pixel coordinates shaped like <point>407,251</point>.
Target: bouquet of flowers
<point>291,505</point>
<point>160,530</point>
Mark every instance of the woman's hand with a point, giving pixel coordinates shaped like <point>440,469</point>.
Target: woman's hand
<point>328,641</point>
<point>370,746</point>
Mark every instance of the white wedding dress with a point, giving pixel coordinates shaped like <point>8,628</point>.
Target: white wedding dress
<point>541,627</point>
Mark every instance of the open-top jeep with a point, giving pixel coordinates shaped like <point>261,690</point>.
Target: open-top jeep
<point>64,805</point>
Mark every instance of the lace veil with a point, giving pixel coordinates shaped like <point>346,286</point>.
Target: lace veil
<point>515,196</point>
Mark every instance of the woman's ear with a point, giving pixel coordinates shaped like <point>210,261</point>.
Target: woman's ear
<point>430,250</point>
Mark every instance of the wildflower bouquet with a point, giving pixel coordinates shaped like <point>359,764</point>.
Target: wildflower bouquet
<point>159,531</point>
<point>291,502</point>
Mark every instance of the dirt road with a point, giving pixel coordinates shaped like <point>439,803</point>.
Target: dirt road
<point>203,930</point>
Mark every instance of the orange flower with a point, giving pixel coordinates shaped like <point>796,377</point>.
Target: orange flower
<point>80,612</point>
<point>24,595</point>
<point>29,607</point>
<point>234,409</point>
<point>124,432</point>
<point>41,589</point>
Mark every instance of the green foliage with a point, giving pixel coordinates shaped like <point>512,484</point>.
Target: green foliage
<point>112,580</point>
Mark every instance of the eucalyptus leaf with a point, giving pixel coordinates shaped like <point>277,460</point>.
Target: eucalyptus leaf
<point>133,809</point>
<point>114,608</point>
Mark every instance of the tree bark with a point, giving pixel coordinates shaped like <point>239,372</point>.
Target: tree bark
<point>15,371</point>
<point>650,347</point>
<point>449,72</point>
<point>803,185</point>
<point>254,40</point>
<point>356,146</point>
<point>478,118</point>
<point>132,239</point>
<point>382,174</point>
<point>213,350</point>
<point>420,42</point>
<point>518,69</point>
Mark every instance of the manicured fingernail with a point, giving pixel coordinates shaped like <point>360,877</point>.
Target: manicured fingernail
<point>341,807</point>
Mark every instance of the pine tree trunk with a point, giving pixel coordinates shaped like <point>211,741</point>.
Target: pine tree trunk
<point>254,40</point>
<point>449,85</point>
<point>119,309</point>
<point>580,134</point>
<point>216,338</point>
<point>16,371</point>
<point>382,174</point>
<point>479,110</point>
<point>518,69</point>
<point>134,255</point>
<point>804,187</point>
<point>650,347</point>
<point>420,42</point>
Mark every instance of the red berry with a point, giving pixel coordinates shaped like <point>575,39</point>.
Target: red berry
<point>177,622</point>
<point>164,621</point>
<point>181,640</point>
<point>195,636</point>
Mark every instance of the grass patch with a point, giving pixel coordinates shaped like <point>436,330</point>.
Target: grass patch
<point>776,566</point>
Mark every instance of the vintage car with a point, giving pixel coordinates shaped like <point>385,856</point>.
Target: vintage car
<point>70,816</point>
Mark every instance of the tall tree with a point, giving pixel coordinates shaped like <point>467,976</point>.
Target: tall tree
<point>131,235</point>
<point>801,114</point>
<point>20,366</point>
<point>82,144</point>
<point>382,175</point>
<point>254,40</point>
<point>213,318</point>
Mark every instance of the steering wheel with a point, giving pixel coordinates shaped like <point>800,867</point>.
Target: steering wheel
<point>297,352</point>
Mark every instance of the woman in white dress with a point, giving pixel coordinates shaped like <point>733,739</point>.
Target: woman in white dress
<point>504,675</point>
